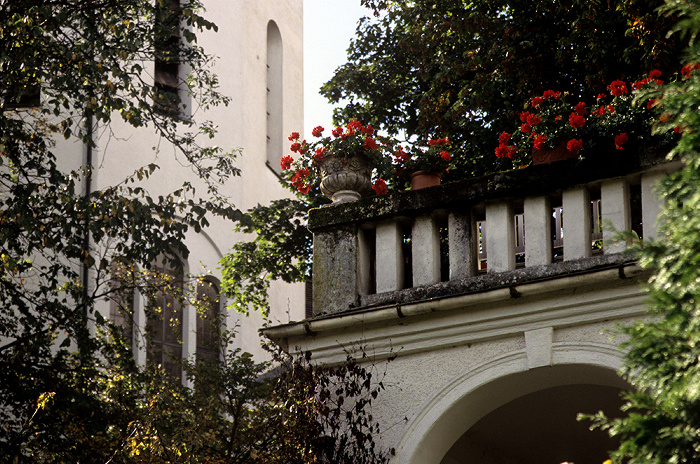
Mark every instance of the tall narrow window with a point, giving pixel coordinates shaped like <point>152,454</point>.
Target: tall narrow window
<point>208,321</point>
<point>164,324</point>
<point>167,56</point>
<point>274,97</point>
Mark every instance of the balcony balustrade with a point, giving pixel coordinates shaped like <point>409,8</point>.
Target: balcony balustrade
<point>498,231</point>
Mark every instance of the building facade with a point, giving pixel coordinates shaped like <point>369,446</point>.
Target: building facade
<point>258,61</point>
<point>488,305</point>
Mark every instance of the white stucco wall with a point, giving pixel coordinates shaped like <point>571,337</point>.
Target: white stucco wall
<point>240,48</point>
<point>459,359</point>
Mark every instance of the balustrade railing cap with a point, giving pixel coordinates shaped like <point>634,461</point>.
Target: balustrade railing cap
<point>533,180</point>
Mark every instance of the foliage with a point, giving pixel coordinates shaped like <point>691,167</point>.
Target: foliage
<point>240,412</point>
<point>661,420</point>
<point>237,412</point>
<point>279,250</point>
<point>465,69</point>
<point>616,120</point>
<point>60,236</point>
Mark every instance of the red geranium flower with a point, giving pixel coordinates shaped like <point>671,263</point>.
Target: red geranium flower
<point>318,130</point>
<point>368,130</point>
<point>574,145</point>
<point>337,132</point>
<point>524,115</point>
<point>617,88</point>
<point>504,138</point>
<point>295,147</point>
<point>620,139</point>
<point>445,155</point>
<point>286,162</point>
<point>505,151</point>
<point>380,187</point>
<point>355,125</point>
<point>537,101</point>
<point>580,108</point>
<point>294,136</point>
<point>539,141</point>
<point>533,120</point>
<point>576,120</point>
<point>370,144</point>
<point>688,69</point>
<point>319,154</point>
<point>525,128</point>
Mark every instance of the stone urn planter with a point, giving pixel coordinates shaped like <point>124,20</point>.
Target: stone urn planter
<point>423,179</point>
<point>345,179</point>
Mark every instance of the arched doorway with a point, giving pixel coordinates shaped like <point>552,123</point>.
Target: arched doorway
<point>502,412</point>
<point>541,428</point>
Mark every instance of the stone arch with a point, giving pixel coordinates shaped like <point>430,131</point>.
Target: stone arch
<point>448,414</point>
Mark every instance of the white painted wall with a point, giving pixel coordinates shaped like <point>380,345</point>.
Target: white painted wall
<point>240,46</point>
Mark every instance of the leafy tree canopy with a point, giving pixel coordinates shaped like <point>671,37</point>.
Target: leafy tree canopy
<point>465,69</point>
<point>67,68</point>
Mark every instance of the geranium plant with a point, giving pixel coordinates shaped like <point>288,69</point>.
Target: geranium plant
<point>616,120</point>
<point>431,158</point>
<point>344,143</point>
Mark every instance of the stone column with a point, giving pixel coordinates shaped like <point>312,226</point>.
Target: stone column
<point>576,222</point>
<point>651,203</point>
<point>425,249</point>
<point>500,237</point>
<point>462,242</point>
<point>389,257</point>
<point>615,208</point>
<point>538,233</point>
<point>335,270</point>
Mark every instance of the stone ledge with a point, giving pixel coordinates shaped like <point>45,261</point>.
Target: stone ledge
<point>486,282</point>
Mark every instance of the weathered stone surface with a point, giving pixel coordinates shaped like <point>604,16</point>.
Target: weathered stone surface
<point>335,270</point>
<point>507,279</point>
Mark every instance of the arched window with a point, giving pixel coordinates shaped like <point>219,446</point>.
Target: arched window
<point>164,320</point>
<point>208,320</point>
<point>275,138</point>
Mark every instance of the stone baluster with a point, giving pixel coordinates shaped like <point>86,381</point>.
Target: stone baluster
<point>462,240</point>
<point>389,256</point>
<point>538,235</point>
<point>615,208</point>
<point>576,203</point>
<point>364,258</point>
<point>500,237</point>
<point>651,203</point>
<point>425,250</point>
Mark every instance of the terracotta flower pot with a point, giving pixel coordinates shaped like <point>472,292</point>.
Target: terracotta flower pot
<point>422,179</point>
<point>345,179</point>
<point>550,155</point>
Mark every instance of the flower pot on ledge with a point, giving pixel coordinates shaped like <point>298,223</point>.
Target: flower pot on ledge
<point>423,179</point>
<point>550,155</point>
<point>345,179</point>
